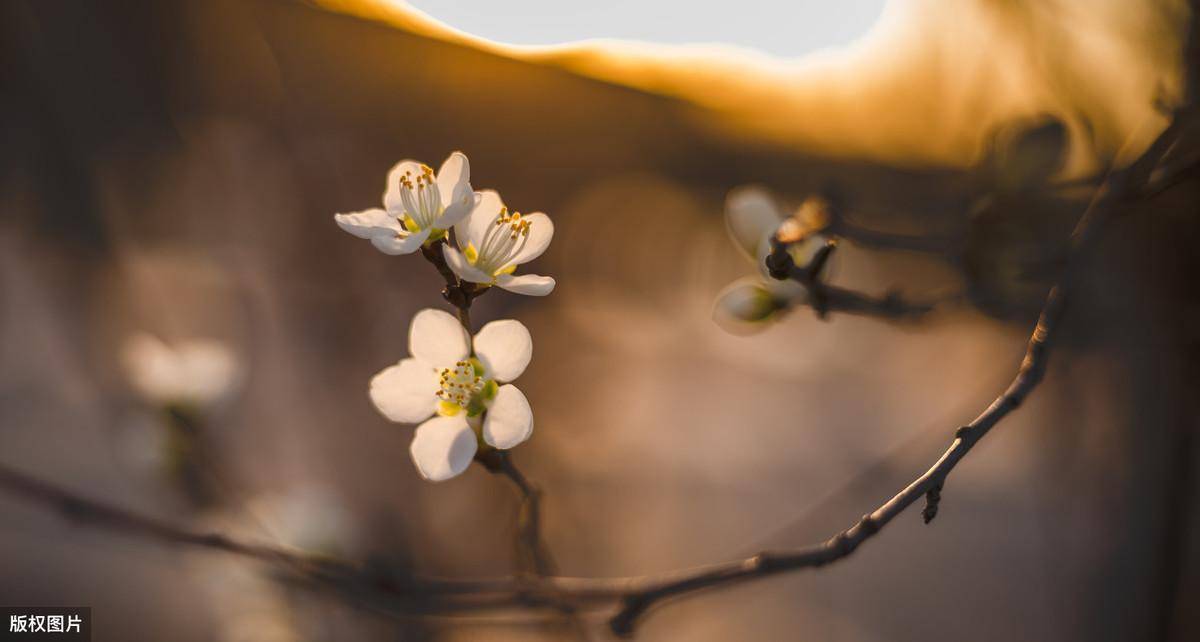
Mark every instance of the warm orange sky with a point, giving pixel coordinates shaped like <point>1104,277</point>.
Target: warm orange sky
<point>922,86</point>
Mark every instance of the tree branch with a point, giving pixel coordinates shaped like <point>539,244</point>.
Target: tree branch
<point>825,298</point>
<point>1119,187</point>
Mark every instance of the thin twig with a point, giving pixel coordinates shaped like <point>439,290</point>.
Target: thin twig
<point>825,298</point>
<point>533,555</point>
<point>1116,189</point>
<point>458,292</point>
<point>875,239</point>
<point>406,595</point>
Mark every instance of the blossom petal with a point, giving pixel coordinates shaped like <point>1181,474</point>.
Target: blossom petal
<point>484,211</point>
<point>396,244</point>
<point>406,392</point>
<point>210,370</point>
<point>509,420</point>
<point>443,447</point>
<point>454,186</point>
<point>529,284</point>
<point>504,348</point>
<point>745,306</point>
<point>463,268</point>
<point>368,223</point>
<point>751,215</point>
<point>786,292</point>
<point>437,338</point>
<point>152,367</point>
<point>198,371</point>
<point>541,230</point>
<point>391,196</point>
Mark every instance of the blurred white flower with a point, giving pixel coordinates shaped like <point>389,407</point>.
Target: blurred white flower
<point>308,517</point>
<point>418,206</point>
<point>467,393</point>
<point>747,303</point>
<point>495,241</point>
<point>198,372</point>
<point>752,217</point>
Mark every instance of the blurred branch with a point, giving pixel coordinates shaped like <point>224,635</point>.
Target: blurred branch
<point>944,244</point>
<point>825,298</point>
<point>407,596</point>
<point>1173,173</point>
<point>533,555</point>
<point>1119,187</point>
<point>875,239</point>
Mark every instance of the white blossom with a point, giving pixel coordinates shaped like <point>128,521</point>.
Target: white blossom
<point>419,205</point>
<point>197,372</point>
<point>495,241</point>
<point>752,217</point>
<point>458,395</point>
<point>308,517</point>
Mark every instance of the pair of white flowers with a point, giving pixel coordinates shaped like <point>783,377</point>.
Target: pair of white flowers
<point>752,218</point>
<point>456,387</point>
<point>421,206</point>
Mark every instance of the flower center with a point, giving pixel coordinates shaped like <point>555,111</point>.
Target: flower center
<point>502,242</point>
<point>459,384</point>
<point>421,200</point>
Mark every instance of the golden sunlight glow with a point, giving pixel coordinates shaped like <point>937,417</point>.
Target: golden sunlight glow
<point>923,86</point>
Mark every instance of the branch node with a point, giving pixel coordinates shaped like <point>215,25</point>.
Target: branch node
<point>868,524</point>
<point>762,561</point>
<point>962,432</point>
<point>779,262</point>
<point>632,606</point>
<point>841,544</point>
<point>932,498</point>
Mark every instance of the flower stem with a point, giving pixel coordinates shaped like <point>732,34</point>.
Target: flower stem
<point>457,292</point>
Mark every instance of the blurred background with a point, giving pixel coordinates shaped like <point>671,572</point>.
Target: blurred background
<point>172,168</point>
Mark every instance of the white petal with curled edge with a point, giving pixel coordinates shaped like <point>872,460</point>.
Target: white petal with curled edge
<point>751,215</point>
<point>391,195</point>
<point>509,421</point>
<point>368,223</point>
<point>437,338</point>
<point>395,244</point>
<point>454,187</point>
<point>504,348</point>
<point>484,211</point>
<point>529,284</point>
<point>443,447</point>
<point>541,230</point>
<point>406,392</point>
<point>460,266</point>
